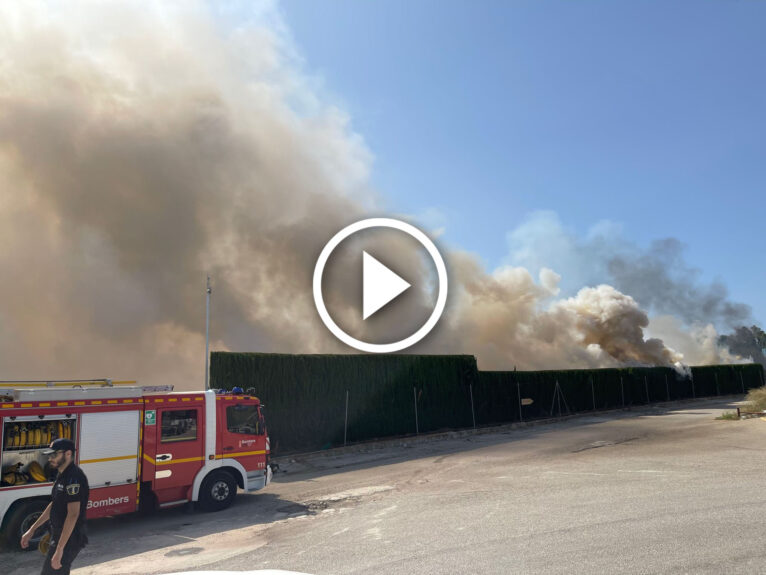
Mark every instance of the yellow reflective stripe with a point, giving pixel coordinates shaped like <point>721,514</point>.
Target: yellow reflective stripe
<point>44,384</point>
<point>69,403</point>
<point>241,454</point>
<point>140,452</point>
<point>120,458</point>
<point>172,461</point>
<point>187,460</point>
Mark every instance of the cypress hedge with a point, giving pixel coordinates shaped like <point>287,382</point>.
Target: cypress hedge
<point>305,396</point>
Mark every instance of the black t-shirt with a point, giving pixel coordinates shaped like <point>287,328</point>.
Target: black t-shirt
<point>71,485</point>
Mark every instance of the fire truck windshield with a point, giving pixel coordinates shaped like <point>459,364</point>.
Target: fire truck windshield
<point>243,419</point>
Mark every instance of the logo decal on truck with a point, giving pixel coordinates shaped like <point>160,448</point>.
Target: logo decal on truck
<point>150,417</point>
<point>109,501</point>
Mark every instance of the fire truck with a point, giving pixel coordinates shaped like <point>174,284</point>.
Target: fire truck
<point>142,448</point>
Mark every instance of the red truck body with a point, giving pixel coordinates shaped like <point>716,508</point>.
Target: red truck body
<point>146,447</point>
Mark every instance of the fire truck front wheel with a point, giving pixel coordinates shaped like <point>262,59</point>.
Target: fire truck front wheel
<point>22,518</point>
<point>217,491</point>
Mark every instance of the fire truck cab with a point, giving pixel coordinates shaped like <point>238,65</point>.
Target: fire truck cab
<point>146,447</point>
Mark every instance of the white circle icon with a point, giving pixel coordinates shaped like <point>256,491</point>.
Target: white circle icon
<point>380,298</point>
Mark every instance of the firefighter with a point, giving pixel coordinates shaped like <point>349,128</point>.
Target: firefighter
<point>66,511</point>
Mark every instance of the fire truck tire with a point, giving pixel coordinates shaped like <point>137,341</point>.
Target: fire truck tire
<point>217,491</point>
<point>22,518</point>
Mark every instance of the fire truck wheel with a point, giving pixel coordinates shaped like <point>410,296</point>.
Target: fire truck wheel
<point>23,518</point>
<point>217,491</point>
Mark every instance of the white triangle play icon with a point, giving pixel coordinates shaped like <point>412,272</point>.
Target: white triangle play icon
<point>379,285</point>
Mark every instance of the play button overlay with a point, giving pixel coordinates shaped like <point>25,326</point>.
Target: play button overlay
<point>380,284</point>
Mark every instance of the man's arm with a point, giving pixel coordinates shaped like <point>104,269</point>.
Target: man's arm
<point>45,516</point>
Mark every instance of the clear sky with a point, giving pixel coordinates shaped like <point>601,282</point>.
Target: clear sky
<point>651,115</point>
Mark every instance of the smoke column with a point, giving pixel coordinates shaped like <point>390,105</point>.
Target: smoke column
<point>143,147</point>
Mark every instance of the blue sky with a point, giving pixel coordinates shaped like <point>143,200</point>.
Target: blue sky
<point>647,114</point>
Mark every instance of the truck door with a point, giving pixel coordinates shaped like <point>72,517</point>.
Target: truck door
<point>180,451</point>
<point>242,433</point>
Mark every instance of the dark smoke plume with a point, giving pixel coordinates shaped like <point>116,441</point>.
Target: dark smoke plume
<point>660,280</point>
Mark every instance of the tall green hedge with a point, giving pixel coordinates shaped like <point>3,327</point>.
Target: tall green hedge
<point>305,396</point>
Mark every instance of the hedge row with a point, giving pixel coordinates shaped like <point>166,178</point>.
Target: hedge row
<point>318,401</point>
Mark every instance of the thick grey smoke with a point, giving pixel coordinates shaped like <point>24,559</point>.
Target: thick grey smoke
<point>508,317</point>
<point>143,146</point>
<point>661,280</point>
<point>749,342</point>
<point>658,278</point>
<point>140,148</point>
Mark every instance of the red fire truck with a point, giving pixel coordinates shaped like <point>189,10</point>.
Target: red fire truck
<point>141,447</point>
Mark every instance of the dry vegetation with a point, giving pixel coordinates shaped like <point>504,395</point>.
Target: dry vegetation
<point>756,399</point>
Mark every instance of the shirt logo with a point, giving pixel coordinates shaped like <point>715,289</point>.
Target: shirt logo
<point>73,489</point>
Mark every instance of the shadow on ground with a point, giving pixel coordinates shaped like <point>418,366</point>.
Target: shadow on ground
<point>166,528</point>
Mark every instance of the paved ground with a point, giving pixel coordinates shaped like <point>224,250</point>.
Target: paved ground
<point>666,490</point>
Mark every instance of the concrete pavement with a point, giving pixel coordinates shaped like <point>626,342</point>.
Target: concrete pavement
<point>664,490</point>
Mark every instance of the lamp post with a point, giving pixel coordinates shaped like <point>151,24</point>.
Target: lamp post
<point>207,334</point>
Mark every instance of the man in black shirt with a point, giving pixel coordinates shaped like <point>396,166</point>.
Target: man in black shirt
<point>66,510</point>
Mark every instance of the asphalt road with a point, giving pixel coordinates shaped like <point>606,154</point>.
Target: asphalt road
<point>666,490</point>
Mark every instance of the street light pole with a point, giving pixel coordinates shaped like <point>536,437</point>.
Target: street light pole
<point>207,335</point>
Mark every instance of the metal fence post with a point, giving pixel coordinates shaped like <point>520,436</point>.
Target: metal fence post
<point>518,393</point>
<point>345,425</point>
<point>473,414</point>
<point>593,393</point>
<point>742,381</point>
<point>667,389</point>
<point>553,402</point>
<point>622,390</point>
<point>415,396</point>
<point>646,386</point>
